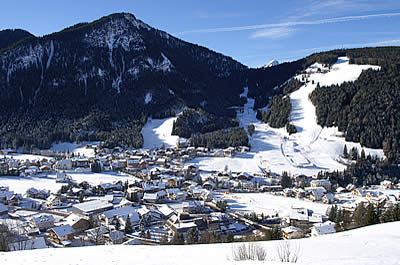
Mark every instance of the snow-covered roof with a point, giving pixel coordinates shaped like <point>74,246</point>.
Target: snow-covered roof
<point>101,230</point>
<point>123,211</point>
<point>63,230</point>
<point>166,210</point>
<point>299,214</point>
<point>291,229</point>
<point>43,219</point>
<point>324,228</point>
<point>116,235</point>
<point>3,208</point>
<point>93,205</point>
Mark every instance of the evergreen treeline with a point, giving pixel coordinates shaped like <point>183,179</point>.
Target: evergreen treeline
<point>367,109</point>
<point>30,132</point>
<point>365,171</point>
<point>10,36</point>
<point>262,81</point>
<point>232,137</point>
<point>277,115</point>
<point>198,121</point>
<point>363,215</point>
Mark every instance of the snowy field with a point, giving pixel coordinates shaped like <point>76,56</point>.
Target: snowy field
<point>48,182</point>
<point>270,204</point>
<point>28,157</point>
<point>310,150</point>
<point>157,132</point>
<point>378,244</point>
<point>82,148</point>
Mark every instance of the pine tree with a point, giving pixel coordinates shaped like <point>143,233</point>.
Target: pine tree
<point>332,213</point>
<point>81,198</point>
<point>229,237</point>
<point>128,225</point>
<point>371,216</point>
<point>359,214</point>
<point>286,181</point>
<point>362,154</point>
<point>345,152</point>
<point>192,236</point>
<point>177,239</point>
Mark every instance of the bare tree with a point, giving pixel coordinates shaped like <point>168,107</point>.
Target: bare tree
<point>249,251</point>
<point>12,236</point>
<point>288,252</point>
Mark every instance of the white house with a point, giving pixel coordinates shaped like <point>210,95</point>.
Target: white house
<point>63,164</point>
<point>323,228</point>
<point>43,222</point>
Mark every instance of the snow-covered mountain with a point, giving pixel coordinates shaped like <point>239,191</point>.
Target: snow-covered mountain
<point>270,64</point>
<point>113,63</point>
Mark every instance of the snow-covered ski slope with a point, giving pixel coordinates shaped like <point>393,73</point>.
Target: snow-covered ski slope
<point>310,150</point>
<point>377,244</point>
<point>157,132</point>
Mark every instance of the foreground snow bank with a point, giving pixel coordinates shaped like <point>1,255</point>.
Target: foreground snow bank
<point>378,244</point>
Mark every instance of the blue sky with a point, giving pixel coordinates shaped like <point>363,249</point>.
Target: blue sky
<point>252,32</point>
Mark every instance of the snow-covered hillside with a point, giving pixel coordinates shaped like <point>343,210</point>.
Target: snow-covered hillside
<point>84,149</point>
<point>369,245</point>
<point>310,150</point>
<point>48,182</point>
<point>157,132</point>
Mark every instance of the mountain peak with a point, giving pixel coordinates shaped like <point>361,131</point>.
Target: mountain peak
<point>270,64</point>
<point>127,17</point>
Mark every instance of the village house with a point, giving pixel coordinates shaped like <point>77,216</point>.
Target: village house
<point>387,184</point>
<point>63,164</point>
<point>177,226</point>
<point>324,183</point>
<point>3,209</point>
<point>78,223</point>
<point>193,206</point>
<point>328,198</point>
<point>62,235</point>
<point>109,187</point>
<point>37,194</point>
<point>114,237</point>
<point>360,192</point>
<point>97,235</point>
<point>176,194</point>
<point>55,200</point>
<point>62,177</point>
<point>327,227</point>
<point>31,171</point>
<point>134,193</point>
<point>43,222</point>
<point>6,195</point>
<point>154,197</point>
<point>81,163</point>
<point>120,215</point>
<point>292,232</point>
<point>229,152</point>
<point>92,207</point>
<point>316,193</point>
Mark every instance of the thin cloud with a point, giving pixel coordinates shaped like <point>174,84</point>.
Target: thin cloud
<point>272,33</point>
<point>290,24</point>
